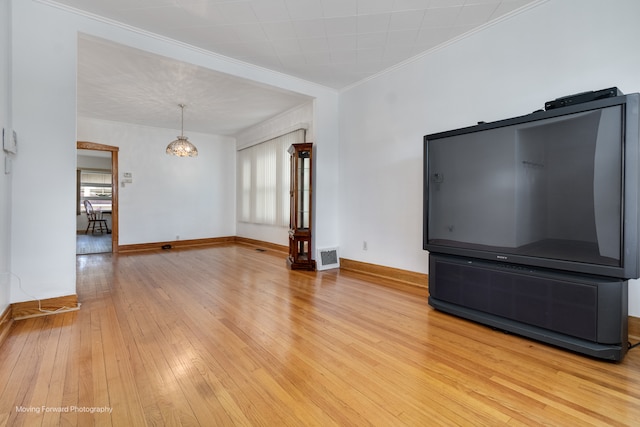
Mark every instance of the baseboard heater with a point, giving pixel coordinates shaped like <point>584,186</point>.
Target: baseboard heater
<point>581,313</point>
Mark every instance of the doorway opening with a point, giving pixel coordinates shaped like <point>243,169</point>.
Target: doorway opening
<point>96,190</point>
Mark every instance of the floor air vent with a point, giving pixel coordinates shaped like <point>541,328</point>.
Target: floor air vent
<point>328,258</point>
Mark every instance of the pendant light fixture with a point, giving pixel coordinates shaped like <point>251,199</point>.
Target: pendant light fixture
<point>181,147</point>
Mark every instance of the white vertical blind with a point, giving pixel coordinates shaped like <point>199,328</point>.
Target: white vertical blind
<point>263,180</point>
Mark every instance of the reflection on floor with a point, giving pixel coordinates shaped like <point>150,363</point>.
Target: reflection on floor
<point>93,243</point>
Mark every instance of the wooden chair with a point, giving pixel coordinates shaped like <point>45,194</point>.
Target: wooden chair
<point>94,218</point>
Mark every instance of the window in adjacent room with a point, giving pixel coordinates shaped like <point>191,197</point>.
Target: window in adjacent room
<point>95,186</point>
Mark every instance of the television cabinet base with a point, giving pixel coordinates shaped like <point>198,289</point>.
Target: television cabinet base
<point>580,313</point>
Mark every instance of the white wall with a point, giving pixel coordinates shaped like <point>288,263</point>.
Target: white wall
<point>192,197</point>
<point>5,179</point>
<point>558,48</point>
<point>85,160</point>
<point>43,85</point>
<point>43,65</point>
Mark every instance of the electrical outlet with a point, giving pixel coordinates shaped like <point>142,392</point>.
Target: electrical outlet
<point>177,237</point>
<point>364,245</point>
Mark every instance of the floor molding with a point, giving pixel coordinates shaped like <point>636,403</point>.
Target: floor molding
<point>262,245</point>
<point>202,242</point>
<point>634,329</point>
<point>6,319</point>
<point>45,307</point>
<point>175,244</point>
<point>406,276</point>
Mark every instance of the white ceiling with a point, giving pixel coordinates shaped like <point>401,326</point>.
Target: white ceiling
<point>123,84</point>
<point>334,43</point>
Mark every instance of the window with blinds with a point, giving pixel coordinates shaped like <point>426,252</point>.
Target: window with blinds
<point>95,186</point>
<point>263,180</point>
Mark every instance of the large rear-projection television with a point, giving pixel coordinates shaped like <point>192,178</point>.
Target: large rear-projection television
<point>555,189</point>
<point>531,223</point>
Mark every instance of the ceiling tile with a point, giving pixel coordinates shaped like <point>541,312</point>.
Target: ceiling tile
<point>345,25</point>
<point>279,30</point>
<point>271,10</point>
<point>309,28</point>
<point>204,14</point>
<point>406,20</point>
<point>343,56</point>
<point>445,3</point>
<point>472,2</point>
<point>369,7</point>
<point>369,56</point>
<point>238,13</point>
<point>293,60</point>
<point>286,46</point>
<point>343,42</point>
<point>304,9</point>
<point>314,44</point>
<point>475,14</point>
<point>142,4</point>
<point>374,23</point>
<point>250,32</point>
<point>372,40</point>
<point>402,38</point>
<point>440,17</point>
<point>400,5</point>
<point>339,8</point>
<point>318,58</point>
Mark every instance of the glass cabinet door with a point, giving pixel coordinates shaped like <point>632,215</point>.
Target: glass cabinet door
<point>301,220</point>
<point>304,189</point>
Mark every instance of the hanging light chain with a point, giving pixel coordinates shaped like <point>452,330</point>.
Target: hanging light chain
<point>182,119</point>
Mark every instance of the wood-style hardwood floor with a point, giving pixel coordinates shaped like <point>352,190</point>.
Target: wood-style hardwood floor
<point>93,243</point>
<point>226,335</point>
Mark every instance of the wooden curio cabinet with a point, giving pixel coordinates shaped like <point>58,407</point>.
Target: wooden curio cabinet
<point>300,219</point>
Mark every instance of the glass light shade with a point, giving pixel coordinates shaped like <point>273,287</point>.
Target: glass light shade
<point>181,147</point>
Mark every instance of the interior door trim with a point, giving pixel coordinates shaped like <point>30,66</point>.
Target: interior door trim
<point>86,145</point>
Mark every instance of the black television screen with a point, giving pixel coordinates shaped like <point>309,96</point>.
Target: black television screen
<point>554,189</point>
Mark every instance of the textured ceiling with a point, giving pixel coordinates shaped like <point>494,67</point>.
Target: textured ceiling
<point>335,43</point>
<point>122,84</point>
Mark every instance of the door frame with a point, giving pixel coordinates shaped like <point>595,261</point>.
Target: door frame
<point>85,145</point>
